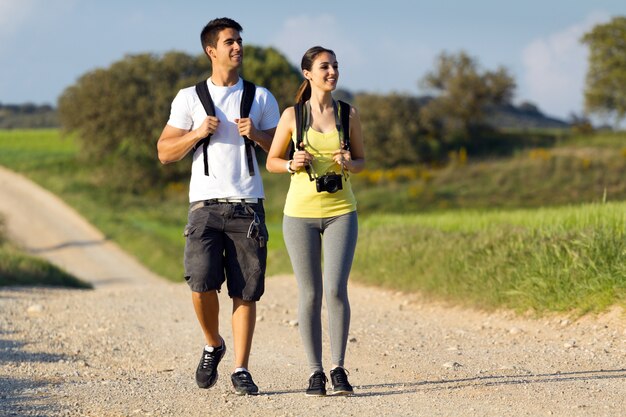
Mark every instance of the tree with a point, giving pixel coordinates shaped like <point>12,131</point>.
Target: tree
<point>605,86</point>
<point>462,93</point>
<point>392,135</point>
<point>118,112</point>
<point>269,68</point>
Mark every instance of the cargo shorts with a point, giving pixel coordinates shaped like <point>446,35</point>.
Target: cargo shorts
<point>226,242</point>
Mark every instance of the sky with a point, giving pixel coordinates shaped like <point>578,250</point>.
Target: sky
<point>386,47</point>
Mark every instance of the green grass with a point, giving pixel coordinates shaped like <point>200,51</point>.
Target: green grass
<point>19,269</point>
<point>557,259</point>
<point>28,149</point>
<point>530,233</point>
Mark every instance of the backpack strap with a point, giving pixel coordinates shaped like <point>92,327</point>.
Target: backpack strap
<point>299,109</point>
<point>247,99</point>
<point>344,115</point>
<point>205,98</point>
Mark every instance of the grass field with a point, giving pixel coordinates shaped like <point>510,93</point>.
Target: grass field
<point>532,233</point>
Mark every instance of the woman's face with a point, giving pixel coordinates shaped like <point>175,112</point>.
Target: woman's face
<point>324,72</point>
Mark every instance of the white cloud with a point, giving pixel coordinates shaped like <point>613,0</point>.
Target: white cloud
<point>555,68</point>
<point>13,13</point>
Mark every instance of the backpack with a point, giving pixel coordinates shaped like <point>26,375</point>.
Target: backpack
<point>244,111</point>
<point>342,119</point>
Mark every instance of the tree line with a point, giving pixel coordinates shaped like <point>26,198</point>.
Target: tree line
<point>27,115</point>
<point>118,112</point>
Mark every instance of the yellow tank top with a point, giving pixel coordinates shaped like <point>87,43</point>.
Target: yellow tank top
<point>303,200</point>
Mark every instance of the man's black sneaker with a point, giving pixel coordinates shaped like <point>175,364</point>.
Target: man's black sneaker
<point>243,383</point>
<point>317,385</point>
<point>339,381</point>
<point>206,373</point>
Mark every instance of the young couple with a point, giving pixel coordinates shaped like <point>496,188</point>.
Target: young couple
<point>226,236</point>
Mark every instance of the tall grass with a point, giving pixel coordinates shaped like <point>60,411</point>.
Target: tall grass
<point>557,259</point>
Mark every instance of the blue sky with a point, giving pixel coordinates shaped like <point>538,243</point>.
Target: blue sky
<point>45,45</point>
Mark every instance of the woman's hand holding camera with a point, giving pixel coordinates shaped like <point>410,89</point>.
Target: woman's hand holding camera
<point>343,158</point>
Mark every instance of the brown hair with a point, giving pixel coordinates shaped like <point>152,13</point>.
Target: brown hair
<point>211,31</point>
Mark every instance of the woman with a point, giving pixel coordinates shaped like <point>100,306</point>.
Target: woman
<point>320,211</point>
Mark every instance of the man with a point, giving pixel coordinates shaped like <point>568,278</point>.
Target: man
<point>226,235</point>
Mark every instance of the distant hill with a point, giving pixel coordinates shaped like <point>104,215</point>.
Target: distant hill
<point>27,116</point>
<point>524,116</point>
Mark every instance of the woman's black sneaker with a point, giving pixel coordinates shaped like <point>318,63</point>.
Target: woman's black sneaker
<point>339,381</point>
<point>206,373</point>
<point>243,383</point>
<point>317,385</point>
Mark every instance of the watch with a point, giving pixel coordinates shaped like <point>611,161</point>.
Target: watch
<point>288,166</point>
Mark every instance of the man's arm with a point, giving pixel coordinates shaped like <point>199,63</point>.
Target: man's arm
<point>175,143</point>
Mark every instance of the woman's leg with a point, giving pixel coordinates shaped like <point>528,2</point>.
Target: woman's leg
<point>339,241</point>
<point>303,241</point>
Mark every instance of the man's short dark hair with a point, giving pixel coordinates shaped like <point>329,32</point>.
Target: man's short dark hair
<point>211,31</point>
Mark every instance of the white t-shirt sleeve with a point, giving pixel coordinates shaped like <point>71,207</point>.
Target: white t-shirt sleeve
<point>271,113</point>
<point>180,112</point>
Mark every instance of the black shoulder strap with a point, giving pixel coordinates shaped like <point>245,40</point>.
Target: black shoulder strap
<point>209,108</point>
<point>205,98</point>
<point>302,119</point>
<point>298,109</point>
<point>344,113</point>
<point>247,99</point>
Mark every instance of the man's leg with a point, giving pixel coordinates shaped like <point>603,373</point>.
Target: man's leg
<point>245,258</point>
<point>204,275</point>
<point>206,305</point>
<point>244,320</point>
<point>207,308</point>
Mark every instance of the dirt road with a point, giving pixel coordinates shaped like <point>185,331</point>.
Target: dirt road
<point>130,346</point>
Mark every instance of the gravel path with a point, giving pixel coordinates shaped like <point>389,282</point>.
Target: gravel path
<point>130,346</point>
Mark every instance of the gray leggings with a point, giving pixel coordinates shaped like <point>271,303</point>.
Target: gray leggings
<point>305,238</point>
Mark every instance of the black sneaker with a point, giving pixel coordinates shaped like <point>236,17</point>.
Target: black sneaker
<point>339,381</point>
<point>317,385</point>
<point>206,373</point>
<point>243,383</point>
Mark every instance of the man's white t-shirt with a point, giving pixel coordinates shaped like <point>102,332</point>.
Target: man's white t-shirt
<point>228,167</point>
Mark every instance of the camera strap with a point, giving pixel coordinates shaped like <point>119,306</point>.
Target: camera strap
<point>302,111</point>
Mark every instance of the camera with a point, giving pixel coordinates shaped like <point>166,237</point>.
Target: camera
<point>329,182</point>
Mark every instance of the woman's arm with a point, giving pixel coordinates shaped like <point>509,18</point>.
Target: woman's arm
<point>276,161</point>
<point>277,156</point>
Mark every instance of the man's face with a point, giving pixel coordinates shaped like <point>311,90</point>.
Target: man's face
<point>229,49</point>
